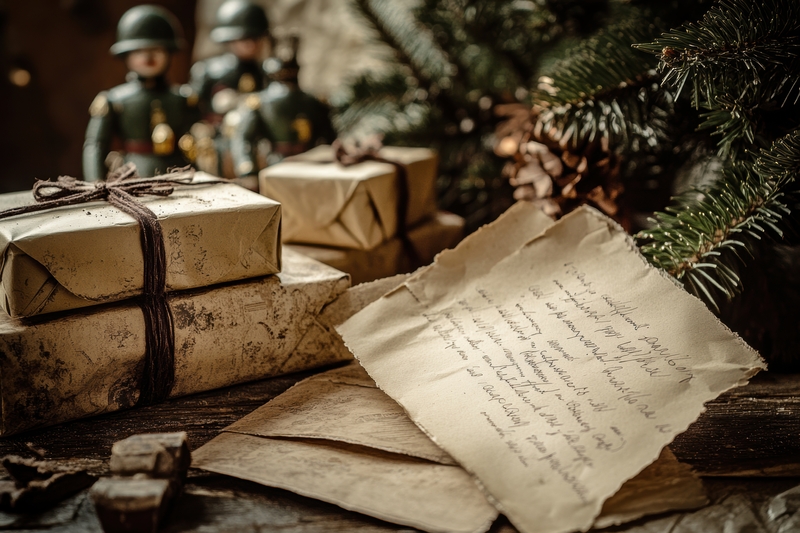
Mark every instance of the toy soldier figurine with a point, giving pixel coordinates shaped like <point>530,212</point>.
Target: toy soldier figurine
<point>243,26</point>
<point>149,118</point>
<point>292,121</point>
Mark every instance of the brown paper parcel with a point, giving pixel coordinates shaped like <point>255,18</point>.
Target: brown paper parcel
<point>89,362</point>
<point>553,371</point>
<point>340,439</point>
<point>349,207</point>
<point>83,255</point>
<point>429,238</point>
<point>422,164</point>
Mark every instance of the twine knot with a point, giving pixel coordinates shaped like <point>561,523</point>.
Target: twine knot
<point>368,151</point>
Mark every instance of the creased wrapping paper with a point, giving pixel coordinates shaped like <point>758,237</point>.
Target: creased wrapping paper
<point>552,370</point>
<point>87,254</point>
<point>325,203</point>
<point>89,362</point>
<point>336,437</point>
<point>429,238</point>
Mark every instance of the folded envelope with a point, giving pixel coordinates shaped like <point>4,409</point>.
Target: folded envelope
<point>328,204</point>
<point>63,367</point>
<point>338,438</point>
<point>428,238</point>
<point>87,254</point>
<point>352,447</point>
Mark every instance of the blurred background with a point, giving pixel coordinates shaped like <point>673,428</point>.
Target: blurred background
<point>54,59</point>
<point>618,104</point>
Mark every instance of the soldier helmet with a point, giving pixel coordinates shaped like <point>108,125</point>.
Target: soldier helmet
<point>239,19</point>
<point>145,26</point>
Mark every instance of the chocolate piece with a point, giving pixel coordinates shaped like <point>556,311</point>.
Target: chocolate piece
<point>149,471</point>
<point>131,504</point>
<point>157,455</point>
<point>38,485</point>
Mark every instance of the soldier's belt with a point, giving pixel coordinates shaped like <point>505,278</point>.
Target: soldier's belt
<point>139,147</point>
<point>286,148</point>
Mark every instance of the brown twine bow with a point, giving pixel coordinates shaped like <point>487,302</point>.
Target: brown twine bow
<point>369,152</point>
<point>121,190</point>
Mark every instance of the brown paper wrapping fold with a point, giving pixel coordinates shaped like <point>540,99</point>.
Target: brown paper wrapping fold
<point>443,231</point>
<point>349,207</point>
<point>84,255</point>
<point>89,362</point>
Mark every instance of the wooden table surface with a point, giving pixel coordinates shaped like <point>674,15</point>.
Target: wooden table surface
<point>750,437</point>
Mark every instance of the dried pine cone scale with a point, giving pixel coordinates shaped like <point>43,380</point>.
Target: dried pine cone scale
<point>546,168</point>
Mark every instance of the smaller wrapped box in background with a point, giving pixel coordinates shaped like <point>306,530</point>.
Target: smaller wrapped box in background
<point>444,230</point>
<point>327,204</point>
<point>88,254</point>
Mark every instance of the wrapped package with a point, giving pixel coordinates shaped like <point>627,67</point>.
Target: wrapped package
<point>444,230</point>
<point>87,254</point>
<point>325,203</point>
<point>89,362</point>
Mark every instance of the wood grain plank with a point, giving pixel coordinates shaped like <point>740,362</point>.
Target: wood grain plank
<point>750,431</point>
<point>202,416</point>
<point>753,430</point>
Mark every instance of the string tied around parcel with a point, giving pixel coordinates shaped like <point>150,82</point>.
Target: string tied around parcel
<point>121,189</point>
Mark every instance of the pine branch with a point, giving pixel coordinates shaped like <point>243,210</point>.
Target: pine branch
<point>482,68</point>
<point>735,38</point>
<point>457,59</point>
<point>512,34</point>
<point>703,242</point>
<point>514,30</point>
<point>413,45</point>
<point>741,60</point>
<point>603,88</point>
<point>372,102</point>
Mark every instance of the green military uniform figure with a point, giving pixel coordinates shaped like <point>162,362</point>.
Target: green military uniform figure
<point>292,121</point>
<point>148,118</point>
<point>218,81</point>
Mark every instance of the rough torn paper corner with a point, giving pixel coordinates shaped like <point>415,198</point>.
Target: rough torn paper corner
<point>552,366</point>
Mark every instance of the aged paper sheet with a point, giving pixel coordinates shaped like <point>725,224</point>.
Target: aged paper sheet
<point>346,407</point>
<point>553,373</point>
<point>396,488</point>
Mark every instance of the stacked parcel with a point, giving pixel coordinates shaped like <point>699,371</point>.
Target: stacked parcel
<point>73,341</point>
<point>371,219</point>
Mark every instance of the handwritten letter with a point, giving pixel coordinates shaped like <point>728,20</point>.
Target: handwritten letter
<point>553,372</point>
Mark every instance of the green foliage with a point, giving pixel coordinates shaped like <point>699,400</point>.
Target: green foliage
<point>452,62</point>
<point>604,88</point>
<point>729,82</point>
<point>705,240</point>
<point>741,66</point>
<point>741,62</point>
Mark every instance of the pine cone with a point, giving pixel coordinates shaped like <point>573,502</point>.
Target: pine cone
<point>548,168</point>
